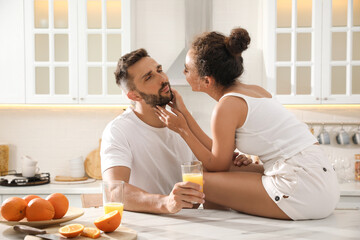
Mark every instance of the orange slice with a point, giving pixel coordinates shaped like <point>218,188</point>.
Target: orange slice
<point>109,222</point>
<point>71,230</point>
<point>91,232</point>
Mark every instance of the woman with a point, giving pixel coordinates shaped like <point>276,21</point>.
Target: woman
<point>296,180</point>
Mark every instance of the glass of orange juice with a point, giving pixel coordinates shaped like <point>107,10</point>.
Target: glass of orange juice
<point>192,172</point>
<point>113,196</point>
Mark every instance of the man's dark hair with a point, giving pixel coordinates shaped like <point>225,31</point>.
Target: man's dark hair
<point>123,79</point>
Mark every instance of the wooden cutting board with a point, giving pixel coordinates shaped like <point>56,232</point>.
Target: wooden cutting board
<point>93,163</point>
<point>69,179</point>
<point>121,233</point>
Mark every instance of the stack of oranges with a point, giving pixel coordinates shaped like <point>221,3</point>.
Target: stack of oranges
<point>35,208</point>
<point>55,206</point>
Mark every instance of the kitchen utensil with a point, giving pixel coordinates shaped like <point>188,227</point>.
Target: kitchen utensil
<point>29,171</point>
<point>76,167</point>
<point>356,137</point>
<point>71,214</point>
<point>37,232</point>
<point>89,180</point>
<point>14,179</point>
<point>324,136</point>
<point>121,233</point>
<point>4,158</point>
<point>69,179</point>
<point>28,161</point>
<point>343,137</point>
<point>93,163</point>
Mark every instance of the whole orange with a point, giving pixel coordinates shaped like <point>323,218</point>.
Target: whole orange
<point>109,222</point>
<point>39,210</point>
<point>13,209</point>
<point>60,204</point>
<point>28,198</point>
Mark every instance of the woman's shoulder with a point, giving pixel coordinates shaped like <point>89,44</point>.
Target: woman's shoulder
<point>258,91</point>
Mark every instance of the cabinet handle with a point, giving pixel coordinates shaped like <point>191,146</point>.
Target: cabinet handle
<point>74,98</point>
<point>82,99</point>
<point>325,98</point>
<point>317,98</point>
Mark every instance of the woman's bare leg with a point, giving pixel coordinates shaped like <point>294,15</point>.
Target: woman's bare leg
<point>241,191</point>
<point>211,205</point>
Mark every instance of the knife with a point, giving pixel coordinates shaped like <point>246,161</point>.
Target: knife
<point>36,232</point>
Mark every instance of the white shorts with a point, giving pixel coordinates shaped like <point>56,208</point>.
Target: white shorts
<point>304,186</point>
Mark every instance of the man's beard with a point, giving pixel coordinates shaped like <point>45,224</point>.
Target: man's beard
<point>156,99</point>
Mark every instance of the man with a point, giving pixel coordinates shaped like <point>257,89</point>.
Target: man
<point>139,149</point>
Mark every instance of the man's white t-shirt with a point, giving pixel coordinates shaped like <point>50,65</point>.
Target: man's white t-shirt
<point>154,155</point>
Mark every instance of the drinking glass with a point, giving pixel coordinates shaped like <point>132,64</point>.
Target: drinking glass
<point>193,172</point>
<point>113,196</point>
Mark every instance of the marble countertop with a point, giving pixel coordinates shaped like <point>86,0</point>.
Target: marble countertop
<point>203,224</point>
<point>346,189</point>
<point>92,187</point>
<point>350,189</point>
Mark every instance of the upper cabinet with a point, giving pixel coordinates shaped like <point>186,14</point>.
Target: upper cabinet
<point>312,50</point>
<point>12,59</point>
<point>72,49</point>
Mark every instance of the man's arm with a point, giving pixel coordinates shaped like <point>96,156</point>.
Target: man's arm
<point>138,200</point>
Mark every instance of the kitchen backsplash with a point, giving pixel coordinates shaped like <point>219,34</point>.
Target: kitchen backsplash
<point>54,136</point>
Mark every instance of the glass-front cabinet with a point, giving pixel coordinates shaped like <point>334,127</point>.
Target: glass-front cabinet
<point>72,49</point>
<point>313,50</point>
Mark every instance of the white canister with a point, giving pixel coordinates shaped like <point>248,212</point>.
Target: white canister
<point>76,167</point>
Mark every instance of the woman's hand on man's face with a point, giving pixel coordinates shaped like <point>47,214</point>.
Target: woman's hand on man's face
<point>177,102</point>
<point>174,121</point>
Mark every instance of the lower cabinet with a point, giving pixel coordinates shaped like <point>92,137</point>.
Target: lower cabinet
<point>74,199</point>
<point>349,202</point>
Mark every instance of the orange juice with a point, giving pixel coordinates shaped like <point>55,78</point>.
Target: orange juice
<point>194,177</point>
<point>111,206</point>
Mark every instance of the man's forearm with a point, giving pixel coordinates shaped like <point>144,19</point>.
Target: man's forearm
<point>138,200</point>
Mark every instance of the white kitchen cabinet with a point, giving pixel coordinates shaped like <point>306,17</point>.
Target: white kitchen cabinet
<point>12,59</point>
<point>312,51</point>
<point>72,49</point>
<point>72,191</point>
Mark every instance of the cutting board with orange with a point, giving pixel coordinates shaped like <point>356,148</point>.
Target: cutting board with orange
<point>93,163</point>
<point>121,233</point>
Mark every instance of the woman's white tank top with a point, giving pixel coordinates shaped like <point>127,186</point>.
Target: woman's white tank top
<point>270,131</point>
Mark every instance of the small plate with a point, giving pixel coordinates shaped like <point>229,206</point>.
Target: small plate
<point>71,214</point>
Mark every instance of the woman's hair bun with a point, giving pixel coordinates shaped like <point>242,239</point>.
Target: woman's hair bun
<point>238,41</point>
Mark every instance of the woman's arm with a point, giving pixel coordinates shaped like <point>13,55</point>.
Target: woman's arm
<point>178,104</point>
<point>224,123</point>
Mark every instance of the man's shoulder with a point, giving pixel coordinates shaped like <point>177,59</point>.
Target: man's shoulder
<point>122,122</point>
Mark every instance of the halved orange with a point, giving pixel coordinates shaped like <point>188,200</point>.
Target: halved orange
<point>71,230</point>
<point>109,222</point>
<point>91,232</point>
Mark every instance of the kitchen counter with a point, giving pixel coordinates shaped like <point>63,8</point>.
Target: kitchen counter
<point>350,192</point>
<point>203,224</point>
<point>65,188</point>
<point>71,190</point>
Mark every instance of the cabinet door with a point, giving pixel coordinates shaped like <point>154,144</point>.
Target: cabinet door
<point>104,36</point>
<point>294,50</point>
<point>51,56</point>
<point>12,67</point>
<point>341,51</point>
